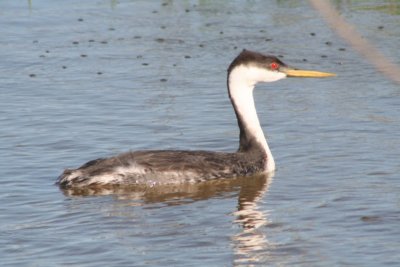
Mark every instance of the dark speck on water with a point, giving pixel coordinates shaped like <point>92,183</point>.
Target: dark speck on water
<point>370,219</point>
<point>160,40</point>
<point>88,79</point>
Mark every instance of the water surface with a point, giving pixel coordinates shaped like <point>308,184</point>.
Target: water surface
<point>90,79</point>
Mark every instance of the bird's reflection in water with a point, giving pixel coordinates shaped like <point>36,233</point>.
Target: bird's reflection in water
<point>184,191</point>
<point>249,244</point>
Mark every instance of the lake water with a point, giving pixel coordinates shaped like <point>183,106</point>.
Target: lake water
<point>88,79</point>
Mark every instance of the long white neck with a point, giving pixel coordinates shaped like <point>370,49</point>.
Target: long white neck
<point>241,84</point>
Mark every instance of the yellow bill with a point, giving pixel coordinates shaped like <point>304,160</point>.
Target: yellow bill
<point>306,73</point>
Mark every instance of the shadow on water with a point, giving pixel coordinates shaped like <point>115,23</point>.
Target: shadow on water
<point>249,244</point>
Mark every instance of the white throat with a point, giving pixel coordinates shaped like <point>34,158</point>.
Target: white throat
<point>242,81</point>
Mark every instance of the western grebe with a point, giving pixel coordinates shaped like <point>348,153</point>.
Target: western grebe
<point>161,167</point>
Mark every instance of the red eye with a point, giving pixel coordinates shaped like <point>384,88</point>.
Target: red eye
<point>274,66</point>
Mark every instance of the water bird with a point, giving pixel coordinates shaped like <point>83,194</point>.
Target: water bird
<point>163,167</point>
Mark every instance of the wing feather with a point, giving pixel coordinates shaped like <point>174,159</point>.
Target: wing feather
<point>161,167</point>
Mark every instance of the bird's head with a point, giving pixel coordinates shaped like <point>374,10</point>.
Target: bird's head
<point>253,67</point>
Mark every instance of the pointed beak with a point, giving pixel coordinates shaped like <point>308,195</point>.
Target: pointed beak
<point>291,72</point>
